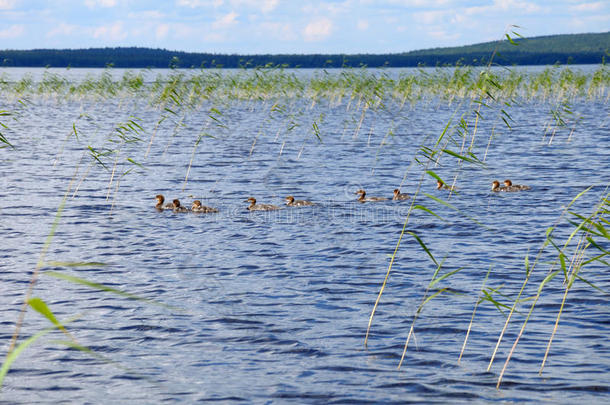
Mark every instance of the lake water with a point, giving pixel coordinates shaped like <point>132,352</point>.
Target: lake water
<point>272,307</point>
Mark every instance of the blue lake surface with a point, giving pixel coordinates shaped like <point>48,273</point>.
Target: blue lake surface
<point>273,307</point>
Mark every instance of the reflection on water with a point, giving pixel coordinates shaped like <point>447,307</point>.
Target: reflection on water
<point>275,304</point>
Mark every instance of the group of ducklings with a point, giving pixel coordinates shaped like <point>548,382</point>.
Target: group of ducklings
<point>177,207</point>
<point>197,207</point>
<point>508,186</point>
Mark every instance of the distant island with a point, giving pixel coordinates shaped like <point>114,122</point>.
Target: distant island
<point>544,50</point>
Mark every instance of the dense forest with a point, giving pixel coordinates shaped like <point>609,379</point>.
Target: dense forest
<point>544,50</point>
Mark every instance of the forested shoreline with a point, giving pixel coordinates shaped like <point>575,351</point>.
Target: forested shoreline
<point>547,50</point>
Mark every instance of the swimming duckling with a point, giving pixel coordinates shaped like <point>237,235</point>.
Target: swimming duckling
<point>291,202</point>
<point>399,196</point>
<point>260,207</point>
<point>160,199</point>
<point>514,187</point>
<point>495,186</point>
<point>442,186</point>
<point>198,208</point>
<point>178,207</point>
<point>363,198</point>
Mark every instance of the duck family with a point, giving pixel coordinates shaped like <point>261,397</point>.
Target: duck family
<point>197,207</point>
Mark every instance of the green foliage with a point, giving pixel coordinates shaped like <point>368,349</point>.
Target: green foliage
<point>545,50</point>
<point>3,139</point>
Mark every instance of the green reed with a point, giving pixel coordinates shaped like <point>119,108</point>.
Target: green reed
<point>586,229</point>
<point>457,141</point>
<point>360,86</point>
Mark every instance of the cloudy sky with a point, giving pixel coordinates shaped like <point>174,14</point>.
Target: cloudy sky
<point>288,26</point>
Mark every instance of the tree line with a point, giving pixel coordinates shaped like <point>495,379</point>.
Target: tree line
<point>547,50</point>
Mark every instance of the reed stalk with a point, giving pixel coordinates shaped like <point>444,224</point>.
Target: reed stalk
<point>474,311</point>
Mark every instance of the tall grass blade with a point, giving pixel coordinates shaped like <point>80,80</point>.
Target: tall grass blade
<point>13,354</point>
<point>41,307</point>
<point>101,287</point>
<point>423,245</point>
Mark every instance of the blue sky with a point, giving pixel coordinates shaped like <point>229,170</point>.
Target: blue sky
<point>282,26</point>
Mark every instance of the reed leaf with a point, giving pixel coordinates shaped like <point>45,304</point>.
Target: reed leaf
<point>472,159</point>
<point>41,307</point>
<point>496,303</point>
<point>423,245</point>
<point>579,277</point>
<point>444,276</point>
<point>13,354</point>
<point>101,287</point>
<point>436,294</point>
<point>429,211</point>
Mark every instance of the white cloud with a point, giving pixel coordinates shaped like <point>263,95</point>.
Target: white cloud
<point>318,30</point>
<point>146,15</point>
<point>278,31</point>
<point>263,5</point>
<point>214,37</point>
<point>415,3</point>
<point>185,31</point>
<point>161,31</point>
<point>443,35</point>
<point>199,3</point>
<point>269,5</point>
<point>391,20</point>
<point>362,25</point>
<point>113,32</point>
<point>590,23</point>
<point>7,4</point>
<point>330,8</point>
<point>62,29</point>
<point>225,21</point>
<point>586,7</point>
<point>429,17</point>
<point>501,7</point>
<point>100,3</point>
<point>14,31</point>
<point>521,6</point>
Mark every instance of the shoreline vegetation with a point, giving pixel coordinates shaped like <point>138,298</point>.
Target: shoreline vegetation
<point>566,49</point>
<point>373,88</point>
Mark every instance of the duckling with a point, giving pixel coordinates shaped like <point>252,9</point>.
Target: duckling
<point>495,186</point>
<point>399,196</point>
<point>198,208</point>
<point>178,207</point>
<point>515,187</point>
<point>260,207</point>
<point>442,186</point>
<point>160,199</point>
<point>363,198</point>
<point>291,202</point>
